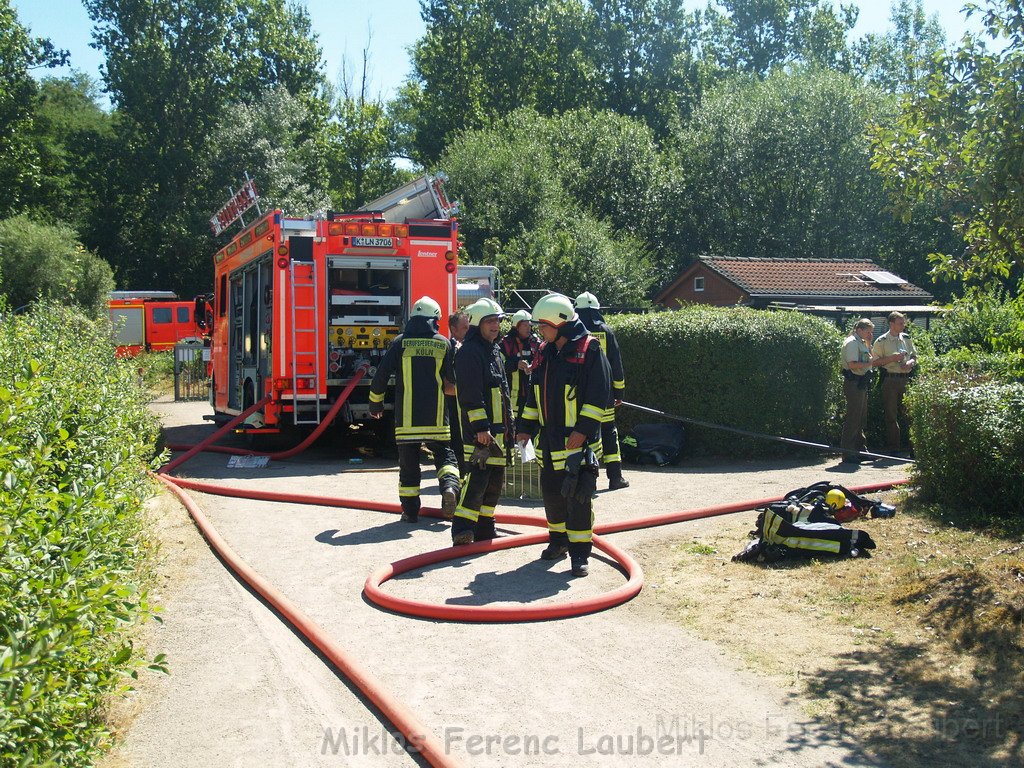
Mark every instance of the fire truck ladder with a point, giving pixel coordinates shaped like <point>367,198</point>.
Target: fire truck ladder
<point>305,303</point>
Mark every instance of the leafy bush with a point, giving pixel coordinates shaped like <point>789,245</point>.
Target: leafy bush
<point>770,372</point>
<point>47,260</point>
<point>969,441</point>
<point>988,321</point>
<point>1004,366</point>
<point>75,439</point>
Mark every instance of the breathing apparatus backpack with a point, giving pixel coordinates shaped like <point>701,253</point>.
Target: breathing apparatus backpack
<point>804,524</point>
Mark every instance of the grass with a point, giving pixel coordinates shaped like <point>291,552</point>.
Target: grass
<point>916,653</point>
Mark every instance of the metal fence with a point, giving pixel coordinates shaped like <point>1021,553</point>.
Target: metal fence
<point>522,480</point>
<point>190,379</point>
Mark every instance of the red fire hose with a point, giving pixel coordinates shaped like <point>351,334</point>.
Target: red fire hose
<point>417,736</point>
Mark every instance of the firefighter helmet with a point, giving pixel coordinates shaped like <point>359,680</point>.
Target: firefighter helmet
<point>587,300</point>
<point>554,309</point>
<point>520,316</point>
<point>481,309</point>
<point>835,498</point>
<point>426,307</point>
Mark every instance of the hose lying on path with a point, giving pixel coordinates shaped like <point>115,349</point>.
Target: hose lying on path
<point>418,738</point>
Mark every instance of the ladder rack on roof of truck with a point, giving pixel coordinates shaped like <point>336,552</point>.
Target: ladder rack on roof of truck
<point>421,198</point>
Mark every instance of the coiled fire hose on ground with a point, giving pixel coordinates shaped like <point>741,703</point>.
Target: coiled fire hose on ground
<point>418,737</point>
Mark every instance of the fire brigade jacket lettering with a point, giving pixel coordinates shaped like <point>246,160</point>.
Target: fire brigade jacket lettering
<point>480,374</point>
<point>421,362</point>
<point>600,330</point>
<point>570,393</point>
<point>515,348</point>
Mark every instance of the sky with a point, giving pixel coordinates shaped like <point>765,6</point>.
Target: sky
<point>387,27</point>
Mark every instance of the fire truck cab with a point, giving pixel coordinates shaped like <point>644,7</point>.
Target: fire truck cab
<point>151,321</point>
<point>301,303</point>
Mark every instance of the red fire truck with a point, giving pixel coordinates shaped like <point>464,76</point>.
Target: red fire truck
<point>301,303</point>
<point>153,321</point>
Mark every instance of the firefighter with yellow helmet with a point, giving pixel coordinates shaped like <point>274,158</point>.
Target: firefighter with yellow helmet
<point>571,389</point>
<point>486,422</point>
<point>421,360</point>
<point>589,310</point>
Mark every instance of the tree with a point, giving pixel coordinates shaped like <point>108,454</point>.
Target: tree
<point>898,60</point>
<point>72,137</point>
<point>755,36</point>
<point>481,59</point>
<point>780,168</point>
<point>171,70</point>
<point>19,53</point>
<point>363,142</point>
<point>267,138</point>
<point>538,209</point>
<point>959,144</point>
<point>644,60</point>
<point>47,261</point>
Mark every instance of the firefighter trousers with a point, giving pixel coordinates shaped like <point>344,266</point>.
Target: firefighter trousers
<point>570,522</point>
<point>409,474</point>
<point>480,494</point>
<point>612,459</point>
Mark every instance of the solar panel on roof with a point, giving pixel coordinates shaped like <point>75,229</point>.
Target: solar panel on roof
<point>883,278</point>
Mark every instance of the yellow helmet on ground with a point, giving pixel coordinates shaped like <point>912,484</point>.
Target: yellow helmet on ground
<point>835,499</point>
<point>587,300</point>
<point>481,309</point>
<point>554,309</point>
<point>426,307</point>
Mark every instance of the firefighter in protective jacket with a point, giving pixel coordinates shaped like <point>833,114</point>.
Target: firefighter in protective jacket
<point>589,310</point>
<point>421,360</point>
<point>486,422</point>
<point>520,349</point>
<point>571,389</point>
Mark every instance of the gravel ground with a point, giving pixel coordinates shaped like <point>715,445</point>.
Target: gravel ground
<point>622,687</point>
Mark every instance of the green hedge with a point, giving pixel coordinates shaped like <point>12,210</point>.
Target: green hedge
<point>75,440</point>
<point>969,442</point>
<point>771,372</point>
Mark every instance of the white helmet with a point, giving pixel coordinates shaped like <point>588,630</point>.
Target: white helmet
<point>554,309</point>
<point>481,309</point>
<point>520,316</point>
<point>587,300</point>
<point>426,307</point>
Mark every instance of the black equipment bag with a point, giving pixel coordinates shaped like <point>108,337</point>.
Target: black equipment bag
<point>659,444</point>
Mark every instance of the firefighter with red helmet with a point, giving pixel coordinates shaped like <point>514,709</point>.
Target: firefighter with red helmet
<point>589,310</point>
<point>520,348</point>
<point>486,422</point>
<point>421,360</point>
<point>571,388</point>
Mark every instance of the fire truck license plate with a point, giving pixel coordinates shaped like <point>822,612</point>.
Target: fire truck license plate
<point>372,242</point>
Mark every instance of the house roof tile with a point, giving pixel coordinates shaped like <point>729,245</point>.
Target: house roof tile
<point>809,277</point>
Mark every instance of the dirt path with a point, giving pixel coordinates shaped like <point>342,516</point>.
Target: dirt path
<point>626,686</point>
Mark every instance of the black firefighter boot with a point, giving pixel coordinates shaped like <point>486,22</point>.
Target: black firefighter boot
<point>579,553</point>
<point>557,548</point>
<point>462,530</point>
<point>410,509</point>
<point>615,478</point>
<point>484,529</point>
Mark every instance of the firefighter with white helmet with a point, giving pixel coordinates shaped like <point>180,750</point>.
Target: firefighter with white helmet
<point>570,392</point>
<point>422,362</point>
<point>520,348</point>
<point>589,310</point>
<point>486,422</point>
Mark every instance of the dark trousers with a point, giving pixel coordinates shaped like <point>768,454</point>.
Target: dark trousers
<point>480,493</point>
<point>455,426</point>
<point>853,439</point>
<point>409,474</point>
<point>610,448</point>
<point>893,388</point>
<point>570,522</point>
